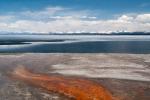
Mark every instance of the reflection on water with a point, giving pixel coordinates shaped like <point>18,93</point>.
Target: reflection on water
<point>75,43</point>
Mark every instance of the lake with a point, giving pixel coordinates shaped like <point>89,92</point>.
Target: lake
<point>138,44</point>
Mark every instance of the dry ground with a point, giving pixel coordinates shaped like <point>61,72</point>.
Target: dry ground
<point>126,76</point>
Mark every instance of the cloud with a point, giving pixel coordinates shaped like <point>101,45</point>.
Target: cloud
<point>53,13</point>
<point>46,12</point>
<point>73,17</point>
<point>43,14</point>
<point>58,19</point>
<point>125,18</point>
<point>5,18</point>
<point>145,18</point>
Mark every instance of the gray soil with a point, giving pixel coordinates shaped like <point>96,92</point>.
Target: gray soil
<point>126,76</point>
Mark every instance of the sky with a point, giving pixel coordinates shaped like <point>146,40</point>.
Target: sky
<point>74,16</point>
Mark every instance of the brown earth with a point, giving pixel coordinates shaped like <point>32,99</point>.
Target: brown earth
<point>129,77</point>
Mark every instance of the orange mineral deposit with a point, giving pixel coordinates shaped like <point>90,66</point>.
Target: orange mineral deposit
<point>76,88</point>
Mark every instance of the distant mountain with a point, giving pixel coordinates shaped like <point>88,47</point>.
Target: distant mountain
<point>131,33</point>
<point>113,33</point>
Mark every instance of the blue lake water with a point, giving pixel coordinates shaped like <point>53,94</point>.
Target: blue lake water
<point>75,44</point>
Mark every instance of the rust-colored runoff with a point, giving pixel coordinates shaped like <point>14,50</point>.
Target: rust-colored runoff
<point>76,88</point>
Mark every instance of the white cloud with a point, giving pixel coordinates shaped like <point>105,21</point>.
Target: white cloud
<point>52,13</point>
<point>145,18</point>
<point>58,19</point>
<point>46,12</point>
<point>125,18</point>
<point>6,18</point>
<point>73,17</point>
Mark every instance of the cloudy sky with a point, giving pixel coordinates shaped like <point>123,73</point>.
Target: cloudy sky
<point>102,16</point>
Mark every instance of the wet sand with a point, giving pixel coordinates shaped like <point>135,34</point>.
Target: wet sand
<point>126,76</point>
